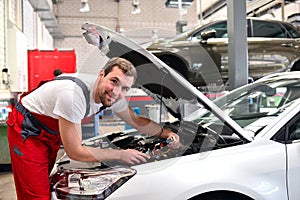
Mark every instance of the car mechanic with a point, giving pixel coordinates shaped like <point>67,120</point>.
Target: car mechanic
<point>52,114</point>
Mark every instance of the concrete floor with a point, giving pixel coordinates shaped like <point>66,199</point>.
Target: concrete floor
<point>7,187</point>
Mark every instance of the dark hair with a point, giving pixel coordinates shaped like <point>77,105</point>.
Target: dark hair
<point>57,72</point>
<point>125,65</point>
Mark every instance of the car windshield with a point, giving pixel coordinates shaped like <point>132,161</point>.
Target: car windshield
<point>261,100</point>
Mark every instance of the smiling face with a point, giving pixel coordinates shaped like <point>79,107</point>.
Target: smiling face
<point>112,87</point>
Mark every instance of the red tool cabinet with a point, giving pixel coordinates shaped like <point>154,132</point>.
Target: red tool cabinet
<point>42,63</point>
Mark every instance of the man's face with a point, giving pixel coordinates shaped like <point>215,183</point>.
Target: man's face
<point>112,87</point>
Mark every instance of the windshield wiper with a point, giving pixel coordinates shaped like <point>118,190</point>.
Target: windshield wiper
<point>252,115</point>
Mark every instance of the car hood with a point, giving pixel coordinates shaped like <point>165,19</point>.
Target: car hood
<point>156,78</point>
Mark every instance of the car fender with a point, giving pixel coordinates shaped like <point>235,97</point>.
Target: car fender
<point>212,171</point>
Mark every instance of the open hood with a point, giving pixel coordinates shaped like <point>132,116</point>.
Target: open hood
<point>157,79</point>
<point>201,125</point>
<point>204,129</point>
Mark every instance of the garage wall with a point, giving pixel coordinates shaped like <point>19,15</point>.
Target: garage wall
<point>112,14</point>
<point>37,35</point>
<point>30,23</point>
<point>2,35</point>
<point>20,29</point>
<point>154,17</point>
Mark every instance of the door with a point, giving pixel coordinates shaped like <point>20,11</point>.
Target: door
<point>293,158</point>
<point>210,56</point>
<point>271,48</point>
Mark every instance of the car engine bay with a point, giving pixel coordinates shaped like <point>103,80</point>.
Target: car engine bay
<point>192,140</point>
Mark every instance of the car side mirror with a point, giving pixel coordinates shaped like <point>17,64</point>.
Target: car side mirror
<point>211,33</point>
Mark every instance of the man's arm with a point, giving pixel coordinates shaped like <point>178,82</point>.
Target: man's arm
<point>71,138</point>
<point>147,126</point>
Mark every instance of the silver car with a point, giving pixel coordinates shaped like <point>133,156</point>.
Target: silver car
<point>245,145</point>
<point>200,54</point>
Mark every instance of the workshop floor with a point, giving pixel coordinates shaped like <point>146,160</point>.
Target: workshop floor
<point>7,187</point>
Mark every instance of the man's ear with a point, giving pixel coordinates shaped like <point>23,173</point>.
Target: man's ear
<point>101,73</point>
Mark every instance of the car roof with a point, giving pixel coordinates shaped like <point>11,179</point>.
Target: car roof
<point>188,32</point>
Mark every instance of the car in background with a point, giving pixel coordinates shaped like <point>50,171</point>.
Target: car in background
<point>201,54</point>
<point>244,145</point>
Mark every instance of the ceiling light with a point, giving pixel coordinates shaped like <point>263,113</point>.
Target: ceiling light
<point>84,6</point>
<point>174,3</point>
<point>136,7</point>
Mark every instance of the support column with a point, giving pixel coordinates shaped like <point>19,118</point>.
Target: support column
<point>237,43</point>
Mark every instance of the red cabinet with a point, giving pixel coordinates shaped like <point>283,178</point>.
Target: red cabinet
<point>42,63</point>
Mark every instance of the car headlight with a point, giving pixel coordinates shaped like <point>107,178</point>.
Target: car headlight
<point>89,183</point>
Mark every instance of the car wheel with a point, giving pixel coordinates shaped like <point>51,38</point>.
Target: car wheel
<point>221,195</point>
<point>296,66</point>
<point>175,63</point>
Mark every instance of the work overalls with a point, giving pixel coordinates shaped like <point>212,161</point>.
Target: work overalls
<point>34,141</point>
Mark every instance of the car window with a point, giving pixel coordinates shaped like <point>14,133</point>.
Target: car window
<point>220,28</point>
<point>294,130</point>
<point>292,30</point>
<point>261,100</point>
<point>289,132</point>
<point>268,29</point>
<point>254,104</point>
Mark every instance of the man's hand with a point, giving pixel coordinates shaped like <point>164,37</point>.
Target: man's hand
<point>175,141</point>
<point>132,156</point>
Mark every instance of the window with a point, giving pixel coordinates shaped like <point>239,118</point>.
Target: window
<point>289,132</point>
<point>14,12</point>
<point>220,28</point>
<point>292,30</point>
<point>268,29</point>
<point>294,130</point>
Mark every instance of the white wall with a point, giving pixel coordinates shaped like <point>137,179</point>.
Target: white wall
<point>2,36</point>
<point>29,24</point>
<point>38,36</point>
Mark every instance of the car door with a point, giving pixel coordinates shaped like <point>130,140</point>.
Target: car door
<point>293,158</point>
<point>215,47</point>
<point>271,48</point>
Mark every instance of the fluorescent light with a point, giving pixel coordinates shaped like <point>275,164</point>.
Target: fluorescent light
<point>174,3</point>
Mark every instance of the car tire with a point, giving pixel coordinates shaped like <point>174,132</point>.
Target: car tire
<point>175,63</point>
<point>296,66</point>
<point>221,195</point>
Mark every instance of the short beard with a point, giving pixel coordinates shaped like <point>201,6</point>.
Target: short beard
<point>102,99</point>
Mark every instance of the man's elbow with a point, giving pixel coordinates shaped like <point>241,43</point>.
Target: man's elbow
<point>76,155</point>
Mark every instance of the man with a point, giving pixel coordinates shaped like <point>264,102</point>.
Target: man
<point>52,114</point>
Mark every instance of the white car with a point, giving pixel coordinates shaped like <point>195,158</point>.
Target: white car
<point>244,145</point>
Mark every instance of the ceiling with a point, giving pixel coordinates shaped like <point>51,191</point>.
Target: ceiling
<point>47,16</point>
<point>254,8</point>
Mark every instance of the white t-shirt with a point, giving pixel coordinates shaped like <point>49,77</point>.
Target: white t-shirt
<point>66,99</point>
